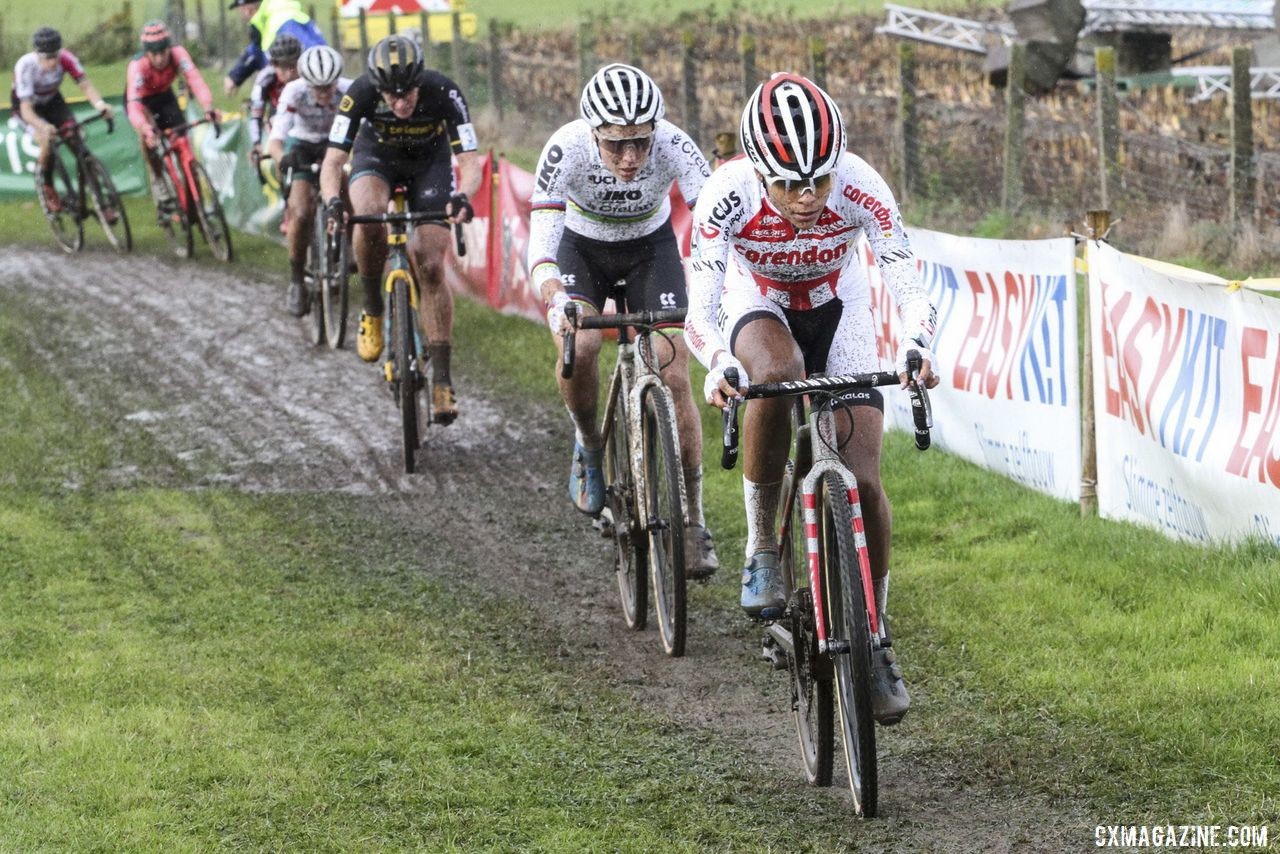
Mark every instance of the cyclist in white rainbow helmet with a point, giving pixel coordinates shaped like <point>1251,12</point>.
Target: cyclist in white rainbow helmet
<point>602,214</point>
<point>777,292</point>
<point>298,141</point>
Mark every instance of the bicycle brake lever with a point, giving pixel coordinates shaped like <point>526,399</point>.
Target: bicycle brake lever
<point>566,362</point>
<point>729,439</point>
<point>921,412</point>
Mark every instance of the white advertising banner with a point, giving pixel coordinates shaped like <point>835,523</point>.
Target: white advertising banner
<point>1009,399</point>
<point>1186,374</point>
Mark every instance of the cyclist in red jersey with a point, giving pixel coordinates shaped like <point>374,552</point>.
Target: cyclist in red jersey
<point>149,97</point>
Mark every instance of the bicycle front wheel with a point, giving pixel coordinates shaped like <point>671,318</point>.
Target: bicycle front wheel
<point>403,363</point>
<point>170,214</point>
<point>846,610</point>
<point>664,520</point>
<point>107,205</point>
<point>812,698</point>
<point>315,278</point>
<point>209,213</point>
<point>629,544</point>
<point>335,262</point>
<point>64,217</point>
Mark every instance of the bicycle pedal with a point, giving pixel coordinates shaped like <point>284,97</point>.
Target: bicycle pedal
<point>604,524</point>
<point>774,654</point>
<point>389,371</point>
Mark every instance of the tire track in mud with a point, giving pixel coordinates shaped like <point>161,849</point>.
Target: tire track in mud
<point>206,364</point>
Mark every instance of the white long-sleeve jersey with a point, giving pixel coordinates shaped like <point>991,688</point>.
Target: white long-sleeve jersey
<point>736,231</point>
<point>574,189</point>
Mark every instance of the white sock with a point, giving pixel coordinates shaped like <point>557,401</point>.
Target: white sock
<point>762,514</point>
<point>880,586</point>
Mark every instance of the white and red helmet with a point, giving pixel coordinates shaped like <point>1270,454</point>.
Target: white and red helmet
<point>791,129</point>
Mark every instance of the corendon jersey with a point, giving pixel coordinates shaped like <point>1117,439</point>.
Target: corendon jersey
<point>744,250</point>
<point>263,100</point>
<point>300,116</point>
<point>440,115</point>
<point>576,191</point>
<point>144,80</point>
<point>35,84</point>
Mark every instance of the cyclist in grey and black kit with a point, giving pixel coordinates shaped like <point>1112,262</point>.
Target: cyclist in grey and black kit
<point>601,215</point>
<point>402,123</point>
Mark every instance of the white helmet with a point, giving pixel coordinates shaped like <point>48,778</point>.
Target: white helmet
<point>320,65</point>
<point>621,95</point>
<point>791,129</point>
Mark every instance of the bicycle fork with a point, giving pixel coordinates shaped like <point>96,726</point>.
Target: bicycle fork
<point>399,274</point>
<point>646,383</point>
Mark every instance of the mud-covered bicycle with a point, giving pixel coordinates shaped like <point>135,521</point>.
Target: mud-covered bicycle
<point>185,197</point>
<point>91,193</point>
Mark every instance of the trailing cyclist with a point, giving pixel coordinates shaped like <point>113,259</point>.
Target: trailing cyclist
<point>400,122</point>
<point>297,142</point>
<point>602,214</point>
<point>38,103</point>
<point>268,21</point>
<point>267,87</point>
<point>777,292</point>
<point>149,98</point>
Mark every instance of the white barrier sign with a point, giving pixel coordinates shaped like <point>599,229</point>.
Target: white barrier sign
<point>1009,398</point>
<point>1187,398</point>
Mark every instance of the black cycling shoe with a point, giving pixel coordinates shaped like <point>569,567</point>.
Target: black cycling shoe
<point>298,301</point>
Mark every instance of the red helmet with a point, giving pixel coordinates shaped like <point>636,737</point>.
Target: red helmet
<point>155,37</point>
<point>791,129</point>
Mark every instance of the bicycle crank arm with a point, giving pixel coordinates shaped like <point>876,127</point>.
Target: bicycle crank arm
<point>780,637</point>
<point>772,651</point>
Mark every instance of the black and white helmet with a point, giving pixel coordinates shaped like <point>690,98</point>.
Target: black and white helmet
<point>791,129</point>
<point>320,65</point>
<point>621,95</point>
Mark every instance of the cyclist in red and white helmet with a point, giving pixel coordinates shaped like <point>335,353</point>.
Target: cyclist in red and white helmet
<point>602,214</point>
<point>777,292</point>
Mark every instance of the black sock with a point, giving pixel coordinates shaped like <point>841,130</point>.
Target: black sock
<point>372,295</point>
<point>439,354</point>
<point>298,269</point>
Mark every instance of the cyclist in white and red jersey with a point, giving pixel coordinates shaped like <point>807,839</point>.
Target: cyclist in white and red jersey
<point>149,97</point>
<point>37,101</point>
<point>299,139</point>
<point>602,214</point>
<point>777,292</point>
<point>267,87</point>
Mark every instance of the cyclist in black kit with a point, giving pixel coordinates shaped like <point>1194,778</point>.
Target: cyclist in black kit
<point>414,121</point>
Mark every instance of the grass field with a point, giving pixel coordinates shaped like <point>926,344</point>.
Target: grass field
<point>211,668</point>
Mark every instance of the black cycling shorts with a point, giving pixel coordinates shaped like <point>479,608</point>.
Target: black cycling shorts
<point>164,109</point>
<point>305,155</point>
<point>649,267</point>
<point>54,111</point>
<point>428,172</point>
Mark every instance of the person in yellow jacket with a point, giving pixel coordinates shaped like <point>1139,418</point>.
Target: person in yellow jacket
<point>269,19</point>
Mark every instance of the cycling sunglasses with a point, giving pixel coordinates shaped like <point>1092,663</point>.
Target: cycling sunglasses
<point>792,187</point>
<point>618,147</point>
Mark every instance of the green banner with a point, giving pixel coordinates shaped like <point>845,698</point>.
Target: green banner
<point>249,204</point>
<point>118,151</point>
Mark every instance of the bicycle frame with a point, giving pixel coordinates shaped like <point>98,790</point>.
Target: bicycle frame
<point>179,146</point>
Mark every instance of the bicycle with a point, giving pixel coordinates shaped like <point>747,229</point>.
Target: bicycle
<point>93,188</point>
<point>829,630</point>
<point>645,510</point>
<point>332,265</point>
<point>186,198</point>
<point>405,368</point>
<point>318,274</point>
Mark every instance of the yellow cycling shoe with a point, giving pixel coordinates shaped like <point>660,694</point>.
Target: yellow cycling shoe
<point>369,341</point>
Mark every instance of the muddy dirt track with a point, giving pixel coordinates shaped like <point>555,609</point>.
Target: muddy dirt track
<point>214,372</point>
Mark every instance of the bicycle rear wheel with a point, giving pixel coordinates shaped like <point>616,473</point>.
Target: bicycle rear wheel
<point>846,611</point>
<point>315,280</point>
<point>629,545</point>
<point>170,214</point>
<point>812,697</point>
<point>209,212</point>
<point>333,288</point>
<point>107,205</point>
<point>406,374</point>
<point>65,223</point>
<point>664,520</point>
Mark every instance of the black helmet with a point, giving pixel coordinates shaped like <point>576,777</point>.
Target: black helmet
<point>395,64</point>
<point>46,40</point>
<point>285,50</point>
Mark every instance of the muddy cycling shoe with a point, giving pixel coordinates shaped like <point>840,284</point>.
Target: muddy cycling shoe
<point>369,341</point>
<point>51,199</point>
<point>296,303</point>
<point>763,593</point>
<point>700,561</point>
<point>444,404</point>
<point>586,480</point>
<point>889,698</point>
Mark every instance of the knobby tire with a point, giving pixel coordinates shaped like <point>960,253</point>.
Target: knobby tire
<point>171,215</point>
<point>333,289</point>
<point>106,199</point>
<point>664,517</point>
<point>402,345</point>
<point>315,279</point>
<point>66,224</point>
<point>630,547</point>
<point>213,222</point>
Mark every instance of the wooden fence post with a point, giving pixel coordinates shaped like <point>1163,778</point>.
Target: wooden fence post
<point>364,33</point>
<point>692,125</point>
<point>458,56</point>
<point>391,22</point>
<point>224,36</point>
<point>1015,121</point>
<point>428,47</point>
<point>586,52</point>
<point>908,122</point>
<point>1098,222</point>
<point>747,47</point>
<point>818,61</point>
<point>634,56</point>
<point>1104,60</point>
<point>1242,176</point>
<point>495,65</point>
<point>335,27</point>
